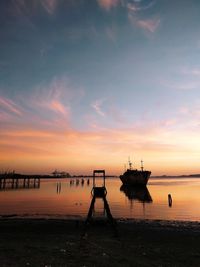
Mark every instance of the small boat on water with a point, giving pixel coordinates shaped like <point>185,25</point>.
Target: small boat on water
<point>134,176</point>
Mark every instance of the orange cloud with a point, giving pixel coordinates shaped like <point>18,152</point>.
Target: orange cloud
<point>34,144</point>
<point>80,151</point>
<point>57,106</point>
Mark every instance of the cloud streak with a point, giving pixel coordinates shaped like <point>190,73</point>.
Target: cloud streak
<point>149,25</point>
<point>97,106</point>
<point>10,106</point>
<point>138,6</point>
<point>57,96</point>
<point>57,106</point>
<point>24,8</point>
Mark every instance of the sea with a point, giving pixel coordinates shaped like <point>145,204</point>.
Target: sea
<point>174,199</point>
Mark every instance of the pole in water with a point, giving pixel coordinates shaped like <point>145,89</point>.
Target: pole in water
<point>169,200</point>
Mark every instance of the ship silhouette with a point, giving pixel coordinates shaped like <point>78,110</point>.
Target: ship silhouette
<point>134,176</point>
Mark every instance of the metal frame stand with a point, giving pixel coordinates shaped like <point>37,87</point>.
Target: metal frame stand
<point>100,192</point>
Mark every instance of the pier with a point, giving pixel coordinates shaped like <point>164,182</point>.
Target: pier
<point>19,183</point>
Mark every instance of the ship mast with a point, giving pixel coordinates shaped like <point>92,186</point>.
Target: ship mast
<point>142,167</point>
<point>130,163</point>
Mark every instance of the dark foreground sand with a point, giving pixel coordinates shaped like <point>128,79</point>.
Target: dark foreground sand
<point>36,242</point>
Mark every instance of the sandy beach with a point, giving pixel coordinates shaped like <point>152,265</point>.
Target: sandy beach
<point>58,242</point>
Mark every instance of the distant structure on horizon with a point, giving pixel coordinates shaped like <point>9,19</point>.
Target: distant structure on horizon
<point>63,174</point>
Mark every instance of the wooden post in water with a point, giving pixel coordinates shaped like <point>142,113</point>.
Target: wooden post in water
<point>27,182</point>
<point>4,183</point>
<point>169,200</point>
<point>13,182</point>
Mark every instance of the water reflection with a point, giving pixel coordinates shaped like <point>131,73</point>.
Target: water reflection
<point>62,197</point>
<point>76,182</point>
<point>137,193</point>
<point>58,188</point>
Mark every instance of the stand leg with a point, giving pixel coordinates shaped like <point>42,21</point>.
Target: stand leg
<point>109,215</point>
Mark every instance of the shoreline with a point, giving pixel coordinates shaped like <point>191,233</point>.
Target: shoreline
<point>63,242</point>
<point>74,218</point>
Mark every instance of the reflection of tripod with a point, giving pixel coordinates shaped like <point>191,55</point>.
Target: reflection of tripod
<point>100,192</point>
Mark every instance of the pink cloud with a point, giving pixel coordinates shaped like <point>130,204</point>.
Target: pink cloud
<point>108,4</point>
<point>10,106</point>
<point>49,5</point>
<point>57,96</point>
<point>57,106</point>
<point>150,25</point>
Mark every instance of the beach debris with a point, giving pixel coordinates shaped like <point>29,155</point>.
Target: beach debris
<point>85,236</point>
<point>63,250</point>
<point>70,243</point>
<point>105,255</point>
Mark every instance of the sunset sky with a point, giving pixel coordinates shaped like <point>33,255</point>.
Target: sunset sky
<point>86,83</point>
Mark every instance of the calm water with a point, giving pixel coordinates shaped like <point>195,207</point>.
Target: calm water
<point>62,198</point>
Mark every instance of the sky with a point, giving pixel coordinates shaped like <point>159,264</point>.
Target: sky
<point>86,84</point>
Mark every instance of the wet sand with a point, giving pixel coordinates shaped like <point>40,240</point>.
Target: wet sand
<point>53,242</point>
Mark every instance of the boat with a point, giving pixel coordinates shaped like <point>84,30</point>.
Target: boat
<point>134,176</point>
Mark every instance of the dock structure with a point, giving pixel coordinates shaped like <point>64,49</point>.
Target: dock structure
<point>19,183</point>
<point>100,192</point>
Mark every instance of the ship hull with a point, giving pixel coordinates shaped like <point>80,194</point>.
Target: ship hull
<point>135,177</point>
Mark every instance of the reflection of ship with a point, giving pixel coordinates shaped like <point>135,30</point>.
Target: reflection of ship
<point>135,177</point>
<point>140,193</point>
